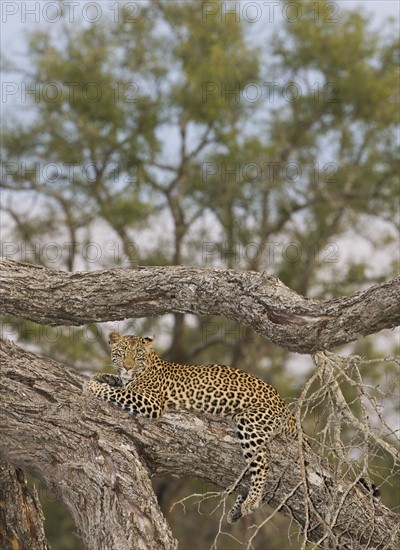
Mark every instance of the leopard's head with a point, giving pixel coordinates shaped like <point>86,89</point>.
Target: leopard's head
<point>130,354</point>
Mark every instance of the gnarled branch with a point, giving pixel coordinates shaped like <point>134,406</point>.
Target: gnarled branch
<point>255,299</point>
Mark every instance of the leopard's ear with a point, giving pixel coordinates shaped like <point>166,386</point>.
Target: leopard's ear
<point>114,337</point>
<point>149,342</point>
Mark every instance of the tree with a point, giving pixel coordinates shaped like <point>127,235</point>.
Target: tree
<point>93,151</point>
<point>107,457</point>
<point>174,136</point>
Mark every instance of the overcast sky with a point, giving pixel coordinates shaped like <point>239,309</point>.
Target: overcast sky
<point>18,15</point>
<point>381,8</point>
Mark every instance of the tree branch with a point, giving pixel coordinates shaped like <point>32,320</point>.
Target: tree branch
<point>257,300</point>
<point>97,458</point>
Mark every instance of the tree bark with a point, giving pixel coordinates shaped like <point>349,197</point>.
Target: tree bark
<point>257,300</point>
<point>98,460</point>
<point>21,516</point>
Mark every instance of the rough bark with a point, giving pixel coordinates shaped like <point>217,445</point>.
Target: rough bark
<point>98,459</point>
<point>256,300</point>
<point>21,516</point>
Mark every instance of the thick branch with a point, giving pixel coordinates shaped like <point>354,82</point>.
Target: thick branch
<point>255,299</point>
<point>92,456</point>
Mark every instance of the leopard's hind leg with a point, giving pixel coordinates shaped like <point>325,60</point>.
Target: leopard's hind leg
<point>253,438</point>
<point>246,504</point>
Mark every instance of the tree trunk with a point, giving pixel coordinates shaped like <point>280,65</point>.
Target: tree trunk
<point>21,516</point>
<point>50,430</point>
<point>97,459</point>
<point>256,300</point>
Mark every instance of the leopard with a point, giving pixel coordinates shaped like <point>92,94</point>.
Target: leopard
<point>147,385</point>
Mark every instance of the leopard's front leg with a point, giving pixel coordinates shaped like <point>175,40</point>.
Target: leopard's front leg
<point>124,396</point>
<point>106,378</point>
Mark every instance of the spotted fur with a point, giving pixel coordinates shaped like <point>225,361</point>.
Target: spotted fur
<point>147,385</point>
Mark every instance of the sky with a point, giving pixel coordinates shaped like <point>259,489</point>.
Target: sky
<point>18,15</point>
<point>380,8</point>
